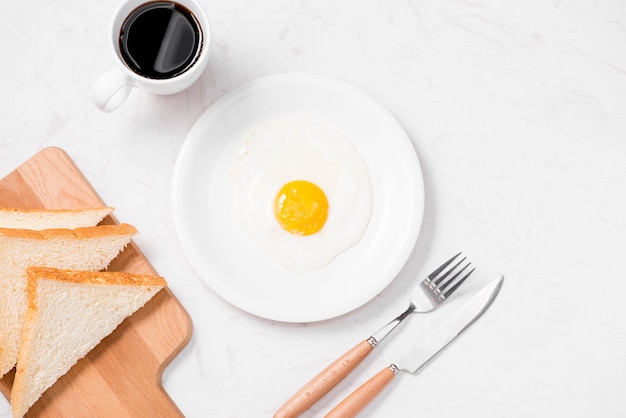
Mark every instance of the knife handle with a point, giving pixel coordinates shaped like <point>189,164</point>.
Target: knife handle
<point>363,395</point>
<point>327,379</point>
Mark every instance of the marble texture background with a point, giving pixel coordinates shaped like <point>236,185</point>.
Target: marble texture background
<point>517,111</point>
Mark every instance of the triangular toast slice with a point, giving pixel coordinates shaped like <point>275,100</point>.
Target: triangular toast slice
<point>90,248</point>
<point>69,313</point>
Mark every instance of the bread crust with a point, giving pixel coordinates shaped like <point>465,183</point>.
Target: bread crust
<point>82,233</point>
<point>43,211</point>
<point>105,278</point>
<point>93,277</point>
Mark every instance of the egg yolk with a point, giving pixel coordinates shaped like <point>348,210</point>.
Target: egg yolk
<point>301,207</point>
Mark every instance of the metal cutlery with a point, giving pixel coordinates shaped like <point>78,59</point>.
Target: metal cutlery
<point>416,357</point>
<point>427,295</point>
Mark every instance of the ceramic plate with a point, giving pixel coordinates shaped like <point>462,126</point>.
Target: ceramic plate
<point>232,263</point>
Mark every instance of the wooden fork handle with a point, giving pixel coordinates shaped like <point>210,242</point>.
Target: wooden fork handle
<point>361,397</point>
<point>327,379</point>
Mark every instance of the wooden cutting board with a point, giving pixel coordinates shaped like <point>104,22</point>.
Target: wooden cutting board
<point>121,377</point>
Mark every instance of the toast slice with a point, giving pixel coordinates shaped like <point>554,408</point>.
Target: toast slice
<point>39,219</point>
<point>90,248</point>
<point>68,314</point>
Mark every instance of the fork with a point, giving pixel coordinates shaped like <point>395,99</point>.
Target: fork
<point>426,296</point>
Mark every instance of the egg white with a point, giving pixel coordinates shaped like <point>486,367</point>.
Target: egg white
<point>289,149</point>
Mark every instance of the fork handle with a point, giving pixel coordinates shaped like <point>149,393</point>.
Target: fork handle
<point>327,379</point>
<point>363,395</point>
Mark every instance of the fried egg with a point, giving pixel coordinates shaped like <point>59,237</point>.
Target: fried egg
<point>303,192</point>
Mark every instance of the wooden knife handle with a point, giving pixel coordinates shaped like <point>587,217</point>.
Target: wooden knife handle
<point>321,384</point>
<point>362,396</point>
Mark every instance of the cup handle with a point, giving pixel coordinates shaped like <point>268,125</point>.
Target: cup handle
<point>111,89</point>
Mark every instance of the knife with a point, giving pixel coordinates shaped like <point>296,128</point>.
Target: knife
<point>416,357</point>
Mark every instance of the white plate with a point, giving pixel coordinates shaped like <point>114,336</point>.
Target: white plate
<point>232,264</point>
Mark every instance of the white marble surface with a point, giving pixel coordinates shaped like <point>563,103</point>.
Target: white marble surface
<point>517,111</point>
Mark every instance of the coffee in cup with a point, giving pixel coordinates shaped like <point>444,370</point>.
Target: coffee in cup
<point>159,46</point>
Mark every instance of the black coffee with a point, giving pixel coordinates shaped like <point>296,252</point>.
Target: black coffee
<point>160,39</point>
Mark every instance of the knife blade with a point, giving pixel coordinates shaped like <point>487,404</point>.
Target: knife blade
<point>419,355</point>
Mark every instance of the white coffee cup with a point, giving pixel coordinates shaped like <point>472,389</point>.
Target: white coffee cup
<point>114,86</point>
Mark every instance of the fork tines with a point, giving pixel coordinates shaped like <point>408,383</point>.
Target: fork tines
<point>442,277</point>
